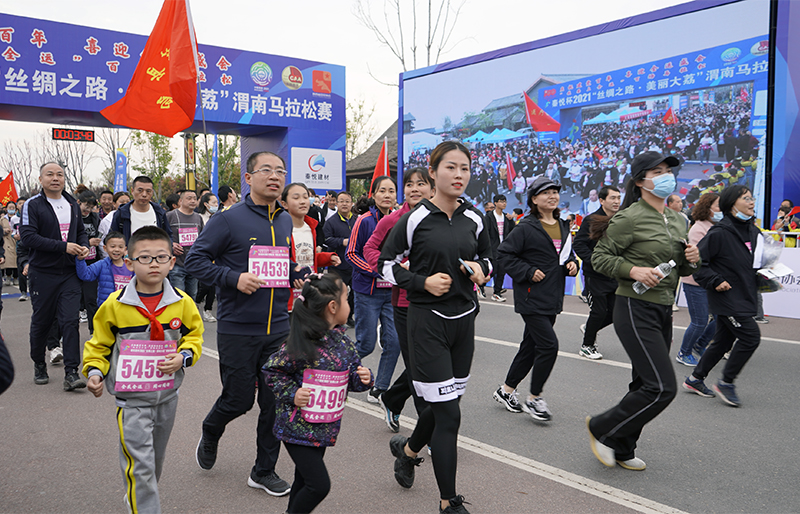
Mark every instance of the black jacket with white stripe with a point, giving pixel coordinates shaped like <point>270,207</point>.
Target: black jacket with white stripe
<point>433,244</point>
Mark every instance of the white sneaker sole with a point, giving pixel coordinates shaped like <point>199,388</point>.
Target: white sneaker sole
<point>532,413</point>
<point>591,357</point>
<point>600,450</point>
<point>255,485</point>
<point>505,404</point>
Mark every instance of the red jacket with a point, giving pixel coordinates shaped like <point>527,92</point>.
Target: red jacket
<point>321,259</point>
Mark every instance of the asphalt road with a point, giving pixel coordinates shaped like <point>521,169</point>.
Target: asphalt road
<point>58,450</point>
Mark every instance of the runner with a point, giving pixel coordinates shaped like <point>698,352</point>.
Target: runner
<point>373,294</point>
<point>337,232</point>
<point>448,252</point>
<point>244,251</point>
<point>320,362</point>
<point>641,236</point>
<point>418,185</point>
<point>731,252</point>
<point>537,256</point>
<point>186,225</point>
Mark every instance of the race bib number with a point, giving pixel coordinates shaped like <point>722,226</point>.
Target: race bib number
<point>328,394</point>
<point>271,264</point>
<point>557,244</point>
<point>64,228</point>
<point>121,281</point>
<point>187,236</point>
<point>136,367</point>
<point>382,284</point>
<point>92,253</point>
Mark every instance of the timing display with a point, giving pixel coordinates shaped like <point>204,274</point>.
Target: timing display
<point>60,134</point>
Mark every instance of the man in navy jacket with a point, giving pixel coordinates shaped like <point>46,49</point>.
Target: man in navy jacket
<point>145,211</point>
<point>52,229</point>
<point>252,319</point>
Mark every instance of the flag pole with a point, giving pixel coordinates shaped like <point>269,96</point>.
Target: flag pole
<point>205,132</point>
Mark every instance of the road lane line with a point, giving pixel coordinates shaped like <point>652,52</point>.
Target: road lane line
<point>677,327</point>
<point>586,485</point>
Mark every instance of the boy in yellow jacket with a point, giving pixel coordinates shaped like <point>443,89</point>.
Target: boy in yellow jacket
<point>144,335</point>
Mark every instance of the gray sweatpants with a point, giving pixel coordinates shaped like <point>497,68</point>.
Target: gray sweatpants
<point>143,437</point>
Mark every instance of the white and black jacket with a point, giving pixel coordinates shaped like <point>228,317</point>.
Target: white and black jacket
<point>433,243</point>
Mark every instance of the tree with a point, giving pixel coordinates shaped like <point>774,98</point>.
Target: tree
<point>156,157</point>
<point>437,19</point>
<point>21,158</point>
<point>360,130</point>
<point>228,160</point>
<point>109,139</point>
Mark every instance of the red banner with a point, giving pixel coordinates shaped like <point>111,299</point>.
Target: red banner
<point>539,120</point>
<point>8,192</point>
<point>381,167</point>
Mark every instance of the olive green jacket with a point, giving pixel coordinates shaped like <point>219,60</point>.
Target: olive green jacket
<point>641,236</point>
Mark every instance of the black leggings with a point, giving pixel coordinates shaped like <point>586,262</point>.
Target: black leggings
<point>438,424</point>
<point>205,293</point>
<point>395,398</point>
<point>311,481</point>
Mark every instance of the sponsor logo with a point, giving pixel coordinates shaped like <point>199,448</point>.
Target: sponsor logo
<point>760,48</point>
<point>321,81</point>
<point>175,323</point>
<point>292,77</point>
<point>261,73</point>
<point>316,162</point>
<point>448,389</point>
<point>731,55</point>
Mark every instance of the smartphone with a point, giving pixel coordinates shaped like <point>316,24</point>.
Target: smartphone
<point>683,243</point>
<point>469,269</point>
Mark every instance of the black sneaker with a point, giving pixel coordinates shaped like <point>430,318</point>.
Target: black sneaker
<point>456,506</point>
<point>271,483</point>
<point>374,394</point>
<point>206,453</point>
<point>40,375</point>
<point>403,464</point>
<point>73,381</point>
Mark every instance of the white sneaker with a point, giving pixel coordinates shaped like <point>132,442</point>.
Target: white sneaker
<point>590,352</point>
<point>603,453</point>
<point>56,355</point>
<point>537,408</point>
<point>675,308</point>
<point>634,464</point>
<point>84,317</point>
<point>498,298</point>
<point>481,294</point>
<point>583,328</point>
<point>207,316</point>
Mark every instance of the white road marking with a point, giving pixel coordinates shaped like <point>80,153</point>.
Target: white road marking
<point>586,485</point>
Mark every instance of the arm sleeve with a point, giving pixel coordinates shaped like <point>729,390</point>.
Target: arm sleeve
<point>356,384</point>
<point>485,254</point>
<point>331,241</point>
<point>97,350</point>
<point>372,248</point>
<point>193,340</point>
<point>607,256</point>
<point>88,273</point>
<point>80,231</point>
<point>705,276</point>
<point>358,237</point>
<point>206,249</point>
<point>395,250</point>
<point>582,244</point>
<point>279,375</point>
<point>29,233</point>
<point>323,259</point>
<point>509,252</point>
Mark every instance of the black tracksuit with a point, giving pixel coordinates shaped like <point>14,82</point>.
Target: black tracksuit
<point>727,258</point>
<point>55,288</point>
<point>600,288</point>
<point>528,249</point>
<point>499,274</point>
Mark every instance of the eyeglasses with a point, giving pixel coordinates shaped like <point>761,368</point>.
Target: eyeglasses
<point>267,171</point>
<point>749,198</point>
<point>147,259</point>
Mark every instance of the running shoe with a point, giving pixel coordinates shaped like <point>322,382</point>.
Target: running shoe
<point>687,359</point>
<point>481,294</point>
<point>498,298</point>
<point>392,419</point>
<point>403,464</point>
<point>271,483</point>
<point>40,375</point>
<point>84,317</point>
<point>23,297</point>
<point>761,319</point>
<point>634,464</point>
<point>56,355</point>
<point>537,408</point>
<point>456,506</point>
<point>206,452</point>
<point>208,317</point>
<point>509,400</point>
<point>374,394</point>
<point>590,352</point>
<point>73,381</point>
<point>697,386</point>
<point>727,392</point>
<point>675,308</point>
<point>603,453</point>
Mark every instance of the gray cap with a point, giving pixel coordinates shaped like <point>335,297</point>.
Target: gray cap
<point>540,184</point>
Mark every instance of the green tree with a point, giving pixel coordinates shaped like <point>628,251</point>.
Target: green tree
<point>360,131</point>
<point>156,158</point>
<point>228,160</point>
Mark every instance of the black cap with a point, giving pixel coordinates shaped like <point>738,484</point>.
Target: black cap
<point>649,160</point>
<point>540,184</point>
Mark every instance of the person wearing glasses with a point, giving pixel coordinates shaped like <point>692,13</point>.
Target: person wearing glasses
<point>142,211</point>
<point>731,253</point>
<point>244,252</point>
<point>631,244</point>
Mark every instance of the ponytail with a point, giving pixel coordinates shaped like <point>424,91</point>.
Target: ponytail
<point>308,315</point>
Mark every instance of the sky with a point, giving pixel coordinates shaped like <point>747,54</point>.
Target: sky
<point>328,31</point>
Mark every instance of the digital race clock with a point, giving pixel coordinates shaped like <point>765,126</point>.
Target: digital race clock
<point>60,134</point>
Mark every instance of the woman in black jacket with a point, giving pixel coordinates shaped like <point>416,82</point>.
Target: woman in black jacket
<point>537,255</point>
<point>731,253</point>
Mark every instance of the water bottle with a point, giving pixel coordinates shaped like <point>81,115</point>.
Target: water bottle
<point>665,268</point>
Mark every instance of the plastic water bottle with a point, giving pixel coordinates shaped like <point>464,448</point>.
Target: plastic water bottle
<point>665,268</point>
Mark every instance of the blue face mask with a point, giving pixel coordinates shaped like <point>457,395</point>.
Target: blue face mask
<point>717,217</point>
<point>742,216</point>
<point>663,185</point>
<point>212,209</point>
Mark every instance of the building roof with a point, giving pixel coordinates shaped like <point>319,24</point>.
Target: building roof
<point>506,101</point>
<point>362,166</point>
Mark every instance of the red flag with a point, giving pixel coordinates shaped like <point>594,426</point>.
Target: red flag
<point>163,90</point>
<point>683,191</point>
<point>539,120</point>
<point>791,213</point>
<point>381,167</point>
<point>8,192</point>
<point>670,118</point>
<point>510,173</point>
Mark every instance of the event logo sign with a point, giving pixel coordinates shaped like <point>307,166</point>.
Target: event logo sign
<point>321,81</point>
<point>261,74</point>
<point>317,168</point>
<point>292,77</point>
